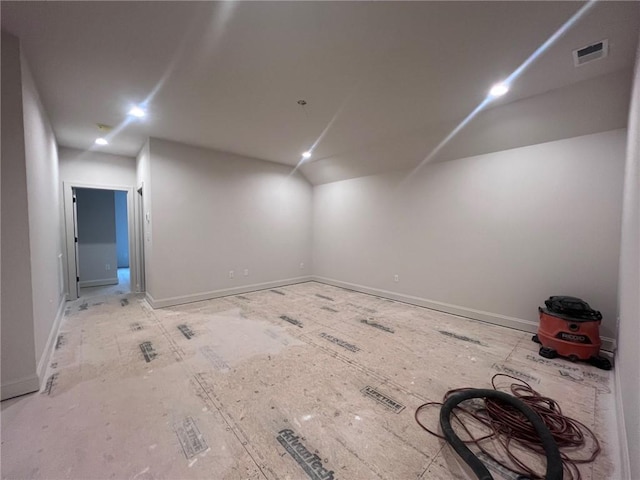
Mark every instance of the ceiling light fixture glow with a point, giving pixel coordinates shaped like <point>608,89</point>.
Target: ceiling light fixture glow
<point>101,141</point>
<point>306,155</point>
<point>499,89</point>
<point>137,112</point>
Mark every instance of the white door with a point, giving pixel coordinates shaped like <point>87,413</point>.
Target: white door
<point>75,240</point>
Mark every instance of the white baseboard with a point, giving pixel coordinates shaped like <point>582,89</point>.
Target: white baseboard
<point>623,444</point>
<point>608,344</point>
<point>98,283</point>
<point>49,346</point>
<point>19,387</point>
<point>198,297</point>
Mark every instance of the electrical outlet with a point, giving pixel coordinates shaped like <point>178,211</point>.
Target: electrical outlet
<point>301,265</point>
<point>231,274</point>
<point>396,278</point>
<point>107,267</point>
<point>246,272</point>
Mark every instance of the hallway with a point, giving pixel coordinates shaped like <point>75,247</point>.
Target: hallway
<point>123,286</point>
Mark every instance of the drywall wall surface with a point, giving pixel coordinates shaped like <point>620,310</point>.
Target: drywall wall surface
<point>495,233</point>
<point>18,371</point>
<point>45,227</point>
<point>97,253</point>
<point>87,167</point>
<point>595,105</point>
<point>628,355</point>
<point>213,213</point>
<point>122,229</point>
<point>143,184</point>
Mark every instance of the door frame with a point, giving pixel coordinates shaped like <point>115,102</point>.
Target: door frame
<point>140,229</point>
<point>135,240</point>
<point>76,253</point>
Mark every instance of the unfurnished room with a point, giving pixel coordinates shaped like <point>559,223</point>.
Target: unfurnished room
<point>320,240</point>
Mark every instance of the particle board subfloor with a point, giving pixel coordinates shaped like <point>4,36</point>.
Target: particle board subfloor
<point>297,382</point>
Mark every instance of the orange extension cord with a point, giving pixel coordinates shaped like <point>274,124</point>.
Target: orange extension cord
<point>506,425</point>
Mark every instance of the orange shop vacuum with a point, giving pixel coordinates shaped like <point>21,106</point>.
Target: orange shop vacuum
<point>569,328</point>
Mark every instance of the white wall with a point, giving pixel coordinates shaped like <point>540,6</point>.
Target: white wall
<point>32,280</point>
<point>143,210</point>
<point>97,252</point>
<point>628,355</point>
<point>86,167</point>
<point>213,212</point>
<point>47,272</point>
<point>18,347</point>
<point>490,236</point>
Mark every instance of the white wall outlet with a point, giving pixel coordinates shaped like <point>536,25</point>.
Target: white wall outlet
<point>246,272</point>
<point>107,266</point>
<point>231,273</point>
<point>396,278</point>
<point>301,265</point>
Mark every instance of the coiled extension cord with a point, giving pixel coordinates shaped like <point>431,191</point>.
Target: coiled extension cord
<point>508,428</point>
<point>554,461</point>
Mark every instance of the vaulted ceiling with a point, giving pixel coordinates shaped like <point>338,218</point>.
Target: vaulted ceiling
<point>383,82</point>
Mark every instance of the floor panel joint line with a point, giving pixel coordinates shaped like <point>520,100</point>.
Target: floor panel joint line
<point>231,427</point>
<point>360,459</point>
<point>366,370</point>
<point>175,348</point>
<point>178,351</point>
<point>432,460</point>
<point>512,350</point>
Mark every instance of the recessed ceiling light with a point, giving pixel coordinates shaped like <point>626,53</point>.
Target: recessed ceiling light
<point>306,155</point>
<point>101,141</point>
<point>138,112</point>
<point>498,90</point>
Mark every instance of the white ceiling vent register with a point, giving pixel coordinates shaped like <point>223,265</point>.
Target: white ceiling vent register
<point>591,52</point>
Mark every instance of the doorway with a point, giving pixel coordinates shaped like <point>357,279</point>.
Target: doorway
<point>101,240</point>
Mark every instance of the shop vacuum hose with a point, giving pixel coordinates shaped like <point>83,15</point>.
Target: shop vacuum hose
<point>554,461</point>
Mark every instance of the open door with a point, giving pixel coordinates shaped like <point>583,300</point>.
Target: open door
<point>140,243</point>
<point>72,265</point>
<point>75,243</point>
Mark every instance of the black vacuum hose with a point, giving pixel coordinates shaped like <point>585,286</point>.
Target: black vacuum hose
<point>554,461</point>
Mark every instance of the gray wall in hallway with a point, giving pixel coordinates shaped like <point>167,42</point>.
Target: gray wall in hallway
<point>97,251</point>
<point>122,229</point>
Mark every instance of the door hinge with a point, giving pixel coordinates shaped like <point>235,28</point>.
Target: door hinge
<point>76,239</point>
<point>74,199</point>
<point>77,279</point>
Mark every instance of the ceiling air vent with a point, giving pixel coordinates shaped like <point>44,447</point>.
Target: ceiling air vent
<point>590,53</point>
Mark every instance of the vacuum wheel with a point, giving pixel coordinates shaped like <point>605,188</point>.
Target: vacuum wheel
<point>547,352</point>
<point>535,339</point>
<point>600,362</point>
